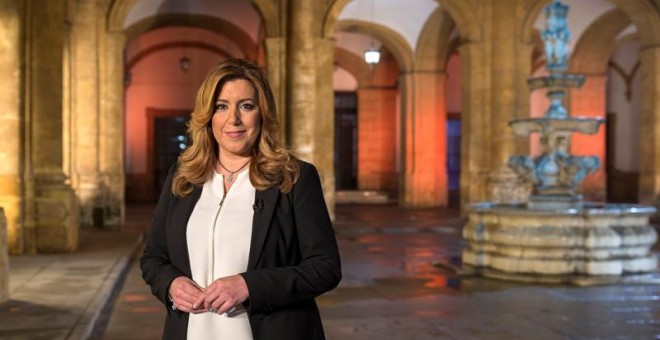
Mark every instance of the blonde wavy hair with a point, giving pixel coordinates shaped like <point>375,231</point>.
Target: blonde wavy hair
<point>272,165</point>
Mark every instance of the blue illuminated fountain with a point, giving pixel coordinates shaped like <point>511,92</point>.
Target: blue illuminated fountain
<point>556,236</point>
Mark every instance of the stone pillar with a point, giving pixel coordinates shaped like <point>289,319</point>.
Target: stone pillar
<point>324,124</point>
<point>503,82</point>
<point>310,120</point>
<point>11,110</point>
<point>4,259</point>
<point>589,101</point>
<point>301,69</point>
<point>425,175</point>
<point>510,59</point>
<point>111,127</point>
<point>649,173</point>
<point>376,139</point>
<point>84,109</point>
<point>475,125</point>
<point>55,211</point>
<point>276,68</point>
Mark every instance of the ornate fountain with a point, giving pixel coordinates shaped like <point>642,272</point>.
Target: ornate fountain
<point>556,236</point>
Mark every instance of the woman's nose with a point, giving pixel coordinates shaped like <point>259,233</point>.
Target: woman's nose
<point>235,116</point>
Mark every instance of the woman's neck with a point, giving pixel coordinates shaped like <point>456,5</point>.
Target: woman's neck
<point>233,163</point>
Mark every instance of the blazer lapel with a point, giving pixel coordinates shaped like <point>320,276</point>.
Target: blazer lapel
<point>264,205</point>
<point>181,219</point>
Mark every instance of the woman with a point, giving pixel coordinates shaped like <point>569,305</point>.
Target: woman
<point>241,242</point>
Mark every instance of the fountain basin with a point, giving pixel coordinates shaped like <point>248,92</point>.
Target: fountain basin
<point>514,242</point>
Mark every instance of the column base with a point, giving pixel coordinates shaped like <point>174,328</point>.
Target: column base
<point>4,259</point>
<point>56,215</point>
<point>96,206</point>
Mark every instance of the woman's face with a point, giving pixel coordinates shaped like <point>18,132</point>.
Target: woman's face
<point>236,120</point>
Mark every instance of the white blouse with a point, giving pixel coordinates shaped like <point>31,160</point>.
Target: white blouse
<point>218,236</point>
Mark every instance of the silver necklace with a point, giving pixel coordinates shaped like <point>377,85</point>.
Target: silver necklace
<point>231,173</point>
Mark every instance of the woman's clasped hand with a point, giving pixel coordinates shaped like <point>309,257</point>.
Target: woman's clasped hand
<point>220,297</point>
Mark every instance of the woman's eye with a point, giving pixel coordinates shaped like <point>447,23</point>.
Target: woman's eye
<point>247,106</point>
<point>220,106</point>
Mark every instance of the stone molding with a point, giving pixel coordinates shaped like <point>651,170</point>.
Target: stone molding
<point>4,259</point>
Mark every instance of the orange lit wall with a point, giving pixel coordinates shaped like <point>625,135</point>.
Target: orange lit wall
<point>156,80</point>
<point>377,139</point>
<point>589,101</point>
<point>426,141</point>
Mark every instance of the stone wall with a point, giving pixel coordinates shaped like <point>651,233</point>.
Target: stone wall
<point>4,259</point>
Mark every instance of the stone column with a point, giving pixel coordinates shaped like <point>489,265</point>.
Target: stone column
<point>55,212</point>
<point>4,259</point>
<point>649,173</point>
<point>324,123</point>
<point>475,124</point>
<point>111,127</point>
<point>11,110</point>
<point>301,80</point>
<point>276,68</point>
<point>589,101</point>
<point>310,114</point>
<point>425,175</point>
<point>84,109</point>
<point>376,139</point>
<point>509,60</point>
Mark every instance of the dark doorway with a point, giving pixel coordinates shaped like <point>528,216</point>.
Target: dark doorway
<point>167,138</point>
<point>622,186</point>
<point>169,141</point>
<point>345,141</point>
<point>453,158</point>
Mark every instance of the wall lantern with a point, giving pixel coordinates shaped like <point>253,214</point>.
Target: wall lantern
<point>184,63</point>
<point>372,56</point>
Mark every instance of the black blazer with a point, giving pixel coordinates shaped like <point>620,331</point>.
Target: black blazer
<point>293,258</point>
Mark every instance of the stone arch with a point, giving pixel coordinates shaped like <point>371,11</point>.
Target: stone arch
<point>592,52</point>
<point>432,51</point>
<point>164,46</point>
<point>269,15</point>
<point>229,30</point>
<point>462,12</point>
<point>646,18</point>
<point>354,65</point>
<point>117,14</point>
<point>394,42</point>
<point>532,10</point>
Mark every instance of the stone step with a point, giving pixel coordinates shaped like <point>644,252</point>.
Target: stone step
<point>362,197</point>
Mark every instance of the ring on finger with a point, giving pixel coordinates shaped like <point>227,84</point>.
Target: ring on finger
<point>213,310</point>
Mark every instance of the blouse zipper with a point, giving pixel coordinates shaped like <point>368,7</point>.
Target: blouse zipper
<point>212,239</point>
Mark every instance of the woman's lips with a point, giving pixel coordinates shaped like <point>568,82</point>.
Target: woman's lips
<point>235,134</point>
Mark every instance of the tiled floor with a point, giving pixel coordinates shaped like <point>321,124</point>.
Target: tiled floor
<point>399,284</point>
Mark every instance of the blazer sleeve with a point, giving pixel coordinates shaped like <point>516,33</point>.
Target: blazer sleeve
<point>319,270</point>
<point>157,269</point>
